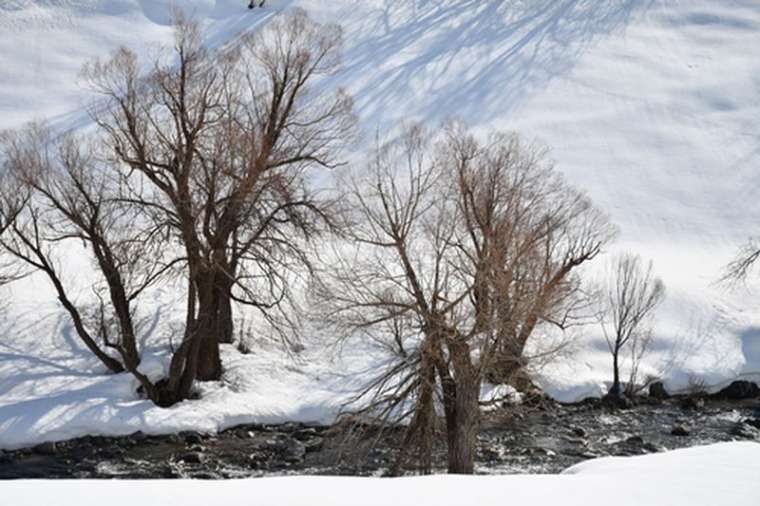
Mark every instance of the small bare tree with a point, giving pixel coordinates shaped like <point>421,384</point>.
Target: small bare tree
<point>460,255</point>
<point>631,297</point>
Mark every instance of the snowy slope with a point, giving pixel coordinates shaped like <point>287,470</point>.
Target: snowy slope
<point>651,106</point>
<point>712,475</point>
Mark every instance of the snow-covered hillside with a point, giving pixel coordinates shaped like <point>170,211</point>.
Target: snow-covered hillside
<point>652,106</point>
<point>717,474</point>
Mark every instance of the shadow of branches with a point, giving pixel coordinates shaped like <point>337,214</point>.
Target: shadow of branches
<point>469,58</point>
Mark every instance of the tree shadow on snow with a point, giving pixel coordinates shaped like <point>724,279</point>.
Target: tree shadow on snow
<point>472,59</point>
<point>223,23</point>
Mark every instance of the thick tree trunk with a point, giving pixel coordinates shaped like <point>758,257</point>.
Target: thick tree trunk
<point>224,324</point>
<point>462,409</point>
<point>209,360</point>
<point>182,374</point>
<point>462,437</point>
<point>207,328</point>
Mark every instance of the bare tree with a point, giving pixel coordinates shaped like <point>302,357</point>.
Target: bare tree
<point>458,253</point>
<point>631,297</point>
<point>59,194</point>
<point>528,231</point>
<point>203,172</point>
<point>214,147</point>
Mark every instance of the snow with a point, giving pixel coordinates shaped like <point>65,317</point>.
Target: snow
<point>650,106</point>
<point>719,474</point>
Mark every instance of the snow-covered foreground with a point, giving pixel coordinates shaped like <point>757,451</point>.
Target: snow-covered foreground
<point>727,473</point>
<point>650,105</point>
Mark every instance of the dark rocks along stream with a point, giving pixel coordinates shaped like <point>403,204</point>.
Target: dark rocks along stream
<point>544,438</point>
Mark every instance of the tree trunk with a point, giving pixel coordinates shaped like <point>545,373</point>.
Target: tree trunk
<point>224,322</point>
<point>615,388</point>
<point>462,437</point>
<point>209,360</point>
<point>120,303</point>
<point>463,409</point>
<point>206,329</point>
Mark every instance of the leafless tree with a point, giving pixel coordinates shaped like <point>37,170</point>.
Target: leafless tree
<point>201,170</point>
<point>460,255</point>
<point>631,297</point>
<point>58,194</point>
<point>528,231</point>
<point>214,146</point>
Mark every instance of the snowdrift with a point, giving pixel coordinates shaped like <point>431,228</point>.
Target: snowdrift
<point>710,475</point>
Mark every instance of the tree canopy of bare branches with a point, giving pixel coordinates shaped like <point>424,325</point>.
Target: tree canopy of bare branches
<point>216,147</point>
<point>463,250</point>
<point>9,211</point>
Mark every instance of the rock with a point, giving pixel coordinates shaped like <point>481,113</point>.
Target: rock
<point>305,434</point>
<point>49,448</point>
<point>541,451</point>
<point>754,422</point>
<point>653,448</point>
<point>138,436</point>
<point>680,430</point>
<point>635,440</point>
<point>693,403</point>
<point>740,389</point>
<point>313,444</point>
<point>168,472</point>
<point>284,448</point>
<point>589,401</point>
<point>293,451</point>
<point>244,433</point>
<point>205,475</point>
<point>579,431</point>
<point>490,454</point>
<point>289,427</point>
<point>192,458</point>
<point>657,391</point>
<point>617,401</point>
<point>745,431</point>
<point>193,438</point>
